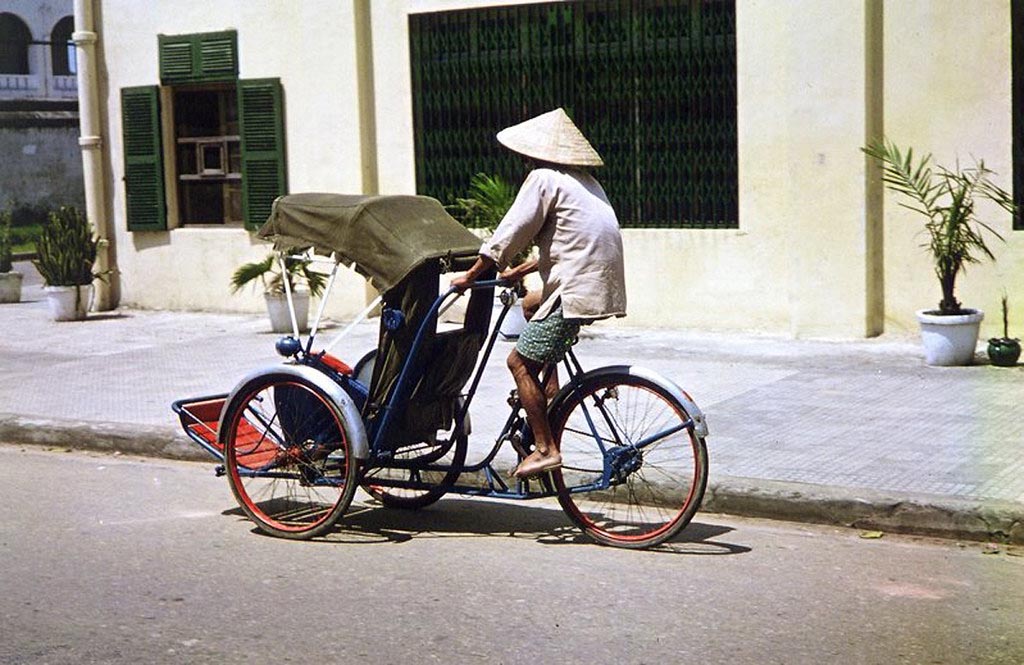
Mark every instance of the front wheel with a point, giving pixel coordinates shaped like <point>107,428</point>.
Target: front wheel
<point>287,456</point>
<point>633,471</point>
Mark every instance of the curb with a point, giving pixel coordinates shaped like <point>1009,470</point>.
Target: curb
<point>143,440</point>
<point>917,514</point>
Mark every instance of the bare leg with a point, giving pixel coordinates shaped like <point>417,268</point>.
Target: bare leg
<point>531,303</point>
<point>527,374</point>
<point>551,387</point>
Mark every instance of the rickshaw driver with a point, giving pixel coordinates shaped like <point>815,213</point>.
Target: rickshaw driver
<point>564,210</point>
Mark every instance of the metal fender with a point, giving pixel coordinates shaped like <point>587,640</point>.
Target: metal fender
<point>351,420</point>
<point>700,424</point>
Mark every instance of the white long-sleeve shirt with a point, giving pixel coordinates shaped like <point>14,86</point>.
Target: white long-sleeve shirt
<point>567,214</point>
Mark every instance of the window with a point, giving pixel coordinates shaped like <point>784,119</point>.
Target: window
<point>224,137</point>
<point>14,41</point>
<point>652,83</point>
<point>209,155</point>
<point>62,49</point>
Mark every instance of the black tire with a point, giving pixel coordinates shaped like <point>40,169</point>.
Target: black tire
<point>436,463</point>
<point>288,459</point>
<point>656,489</point>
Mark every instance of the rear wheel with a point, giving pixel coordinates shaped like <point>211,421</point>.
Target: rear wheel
<point>646,479</point>
<point>437,464</point>
<point>287,456</point>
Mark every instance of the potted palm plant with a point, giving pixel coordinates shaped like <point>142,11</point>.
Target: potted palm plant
<point>486,202</point>
<point>1004,351</point>
<point>10,281</point>
<point>946,199</point>
<point>66,252</point>
<point>268,273</point>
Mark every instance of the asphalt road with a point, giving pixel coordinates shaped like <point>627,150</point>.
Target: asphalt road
<point>109,559</point>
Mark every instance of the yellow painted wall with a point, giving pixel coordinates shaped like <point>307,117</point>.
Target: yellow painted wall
<point>308,46</point>
<point>800,124</point>
<point>947,91</point>
<point>808,257</point>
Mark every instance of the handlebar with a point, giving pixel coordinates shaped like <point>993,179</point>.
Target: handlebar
<point>481,284</point>
<point>484,284</point>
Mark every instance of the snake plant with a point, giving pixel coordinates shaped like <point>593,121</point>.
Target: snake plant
<point>66,249</point>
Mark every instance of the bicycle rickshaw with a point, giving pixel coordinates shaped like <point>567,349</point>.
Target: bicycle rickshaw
<point>297,439</point>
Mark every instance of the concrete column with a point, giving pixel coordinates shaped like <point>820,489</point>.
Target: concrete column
<point>91,142</point>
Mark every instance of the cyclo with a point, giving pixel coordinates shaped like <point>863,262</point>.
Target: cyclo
<point>297,439</point>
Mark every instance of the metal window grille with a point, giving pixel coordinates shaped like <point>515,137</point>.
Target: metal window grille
<point>652,83</point>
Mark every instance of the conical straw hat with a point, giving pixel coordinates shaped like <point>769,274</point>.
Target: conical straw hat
<point>551,137</point>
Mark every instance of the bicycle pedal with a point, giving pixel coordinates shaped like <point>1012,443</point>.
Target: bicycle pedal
<point>517,444</point>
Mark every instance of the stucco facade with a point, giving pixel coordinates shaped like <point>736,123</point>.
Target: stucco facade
<point>38,112</point>
<point>820,251</point>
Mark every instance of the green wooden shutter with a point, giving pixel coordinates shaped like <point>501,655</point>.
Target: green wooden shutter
<point>143,158</point>
<point>199,57</point>
<point>261,118</point>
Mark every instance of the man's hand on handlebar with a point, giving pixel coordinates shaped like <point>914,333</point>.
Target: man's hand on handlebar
<point>517,273</point>
<point>466,280</point>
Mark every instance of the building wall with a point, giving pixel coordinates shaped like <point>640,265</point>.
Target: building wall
<point>800,124</point>
<point>41,162</point>
<point>41,165</point>
<point>947,92</point>
<point>309,46</point>
<point>819,250</point>
<point>40,16</point>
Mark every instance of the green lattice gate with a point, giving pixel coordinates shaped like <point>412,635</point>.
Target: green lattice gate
<point>651,83</point>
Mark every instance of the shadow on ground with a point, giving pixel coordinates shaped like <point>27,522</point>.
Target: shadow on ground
<point>369,523</point>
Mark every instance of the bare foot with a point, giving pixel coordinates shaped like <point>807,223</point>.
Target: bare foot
<point>537,463</point>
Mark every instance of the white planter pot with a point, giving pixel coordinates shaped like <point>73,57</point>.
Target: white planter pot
<point>68,303</point>
<point>277,308</point>
<point>10,287</point>
<point>514,322</point>
<point>950,340</point>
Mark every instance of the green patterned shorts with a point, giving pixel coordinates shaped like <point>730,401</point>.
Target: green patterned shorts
<point>546,341</point>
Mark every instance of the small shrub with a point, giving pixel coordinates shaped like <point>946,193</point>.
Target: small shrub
<point>268,272</point>
<point>66,249</point>
<point>945,198</point>
<point>486,202</point>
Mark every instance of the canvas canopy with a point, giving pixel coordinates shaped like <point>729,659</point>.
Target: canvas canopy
<point>383,237</point>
